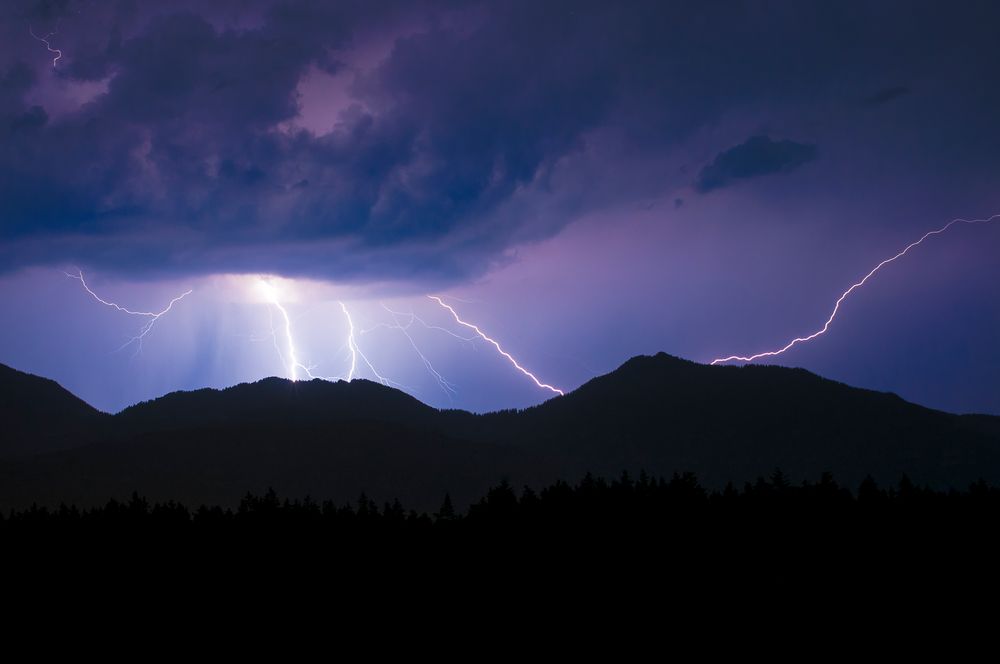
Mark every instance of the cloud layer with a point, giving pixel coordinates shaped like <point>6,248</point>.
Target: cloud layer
<point>170,138</point>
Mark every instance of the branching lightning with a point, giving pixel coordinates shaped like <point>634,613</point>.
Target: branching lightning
<point>282,334</point>
<point>845,294</point>
<point>352,345</point>
<point>45,40</point>
<point>290,356</point>
<point>413,318</point>
<point>291,364</point>
<point>153,316</point>
<point>443,383</point>
<point>496,345</point>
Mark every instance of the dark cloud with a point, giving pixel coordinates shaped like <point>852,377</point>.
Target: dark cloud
<point>886,95</point>
<point>758,155</point>
<point>453,125</point>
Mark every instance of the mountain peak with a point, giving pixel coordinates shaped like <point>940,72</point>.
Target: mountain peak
<point>660,359</point>
<point>274,398</point>
<point>39,415</point>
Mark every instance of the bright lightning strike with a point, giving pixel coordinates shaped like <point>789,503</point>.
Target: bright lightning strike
<point>352,345</point>
<point>496,345</point>
<point>292,364</point>
<point>289,357</point>
<point>45,40</point>
<point>845,294</point>
<point>153,316</point>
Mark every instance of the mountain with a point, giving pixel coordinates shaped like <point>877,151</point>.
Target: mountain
<point>276,401</point>
<point>660,414</point>
<point>330,440</point>
<point>726,423</point>
<point>38,415</point>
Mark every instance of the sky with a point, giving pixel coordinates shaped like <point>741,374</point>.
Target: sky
<point>583,181</point>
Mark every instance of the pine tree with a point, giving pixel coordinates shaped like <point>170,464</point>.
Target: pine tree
<point>447,511</point>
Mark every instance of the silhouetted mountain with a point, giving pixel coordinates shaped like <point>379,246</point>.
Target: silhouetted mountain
<point>277,401</point>
<point>987,424</point>
<point>38,415</point>
<point>316,437</point>
<point>220,465</point>
<point>659,414</point>
<point>726,423</point>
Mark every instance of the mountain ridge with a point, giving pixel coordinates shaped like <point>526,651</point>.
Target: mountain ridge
<point>657,413</point>
<point>39,414</point>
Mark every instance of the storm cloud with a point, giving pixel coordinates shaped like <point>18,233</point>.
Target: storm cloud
<point>171,139</point>
<point>758,155</point>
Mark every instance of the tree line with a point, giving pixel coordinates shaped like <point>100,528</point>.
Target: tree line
<point>644,504</point>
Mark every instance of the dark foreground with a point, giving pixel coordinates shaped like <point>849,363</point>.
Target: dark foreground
<point>675,513</point>
<point>641,545</point>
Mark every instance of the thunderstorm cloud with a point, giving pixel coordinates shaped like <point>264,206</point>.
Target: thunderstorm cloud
<point>758,155</point>
<point>391,140</point>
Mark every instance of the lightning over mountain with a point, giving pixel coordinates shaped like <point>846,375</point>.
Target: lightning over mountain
<point>496,345</point>
<point>836,307</point>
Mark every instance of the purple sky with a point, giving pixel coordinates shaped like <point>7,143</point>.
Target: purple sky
<point>586,181</point>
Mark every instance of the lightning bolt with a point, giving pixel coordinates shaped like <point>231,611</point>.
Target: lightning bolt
<point>153,316</point>
<point>496,345</point>
<point>290,356</point>
<point>293,365</point>
<point>443,383</point>
<point>45,40</point>
<point>845,294</point>
<point>288,352</point>
<point>415,318</point>
<point>352,345</point>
